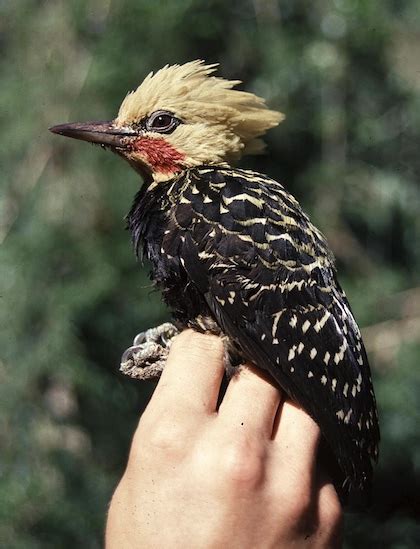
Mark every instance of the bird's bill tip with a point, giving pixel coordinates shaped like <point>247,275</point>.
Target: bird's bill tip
<point>75,128</point>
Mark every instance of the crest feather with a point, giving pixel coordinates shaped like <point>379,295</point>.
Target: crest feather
<point>195,96</point>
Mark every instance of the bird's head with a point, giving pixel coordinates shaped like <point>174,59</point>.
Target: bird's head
<point>181,117</point>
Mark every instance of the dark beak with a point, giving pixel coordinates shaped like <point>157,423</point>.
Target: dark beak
<point>101,133</point>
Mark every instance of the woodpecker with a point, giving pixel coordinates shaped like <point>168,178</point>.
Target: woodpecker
<point>235,255</point>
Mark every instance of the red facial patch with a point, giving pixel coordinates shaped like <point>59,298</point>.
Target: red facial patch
<point>161,156</point>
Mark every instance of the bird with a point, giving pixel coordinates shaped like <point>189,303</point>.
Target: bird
<point>234,254</point>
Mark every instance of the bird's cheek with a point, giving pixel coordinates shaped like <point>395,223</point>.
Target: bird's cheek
<point>157,154</point>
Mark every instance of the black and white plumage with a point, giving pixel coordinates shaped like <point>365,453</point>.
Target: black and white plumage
<point>235,246</point>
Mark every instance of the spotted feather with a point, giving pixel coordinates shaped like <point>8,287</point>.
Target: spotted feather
<point>246,255</point>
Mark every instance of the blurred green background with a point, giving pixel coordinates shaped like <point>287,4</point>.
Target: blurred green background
<point>347,75</point>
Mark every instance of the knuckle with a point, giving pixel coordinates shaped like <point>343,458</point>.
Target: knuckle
<point>242,464</point>
<point>166,436</point>
<point>298,507</point>
<point>164,439</point>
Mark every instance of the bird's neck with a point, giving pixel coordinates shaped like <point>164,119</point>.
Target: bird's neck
<point>173,171</point>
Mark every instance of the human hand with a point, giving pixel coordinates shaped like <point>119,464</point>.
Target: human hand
<point>243,476</point>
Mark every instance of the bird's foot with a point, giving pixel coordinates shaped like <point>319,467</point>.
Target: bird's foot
<point>146,358</point>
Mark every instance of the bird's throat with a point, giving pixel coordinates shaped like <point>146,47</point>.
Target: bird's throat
<point>158,157</point>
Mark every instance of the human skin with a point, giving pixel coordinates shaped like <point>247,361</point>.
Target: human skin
<point>241,475</point>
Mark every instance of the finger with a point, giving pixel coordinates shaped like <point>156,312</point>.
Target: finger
<point>296,438</point>
<point>193,373</point>
<point>251,401</point>
<point>329,514</point>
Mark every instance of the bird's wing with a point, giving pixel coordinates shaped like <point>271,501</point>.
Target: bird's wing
<point>267,276</point>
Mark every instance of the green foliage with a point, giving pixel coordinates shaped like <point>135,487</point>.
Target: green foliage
<point>346,74</point>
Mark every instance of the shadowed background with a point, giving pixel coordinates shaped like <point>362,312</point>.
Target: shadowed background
<point>347,75</point>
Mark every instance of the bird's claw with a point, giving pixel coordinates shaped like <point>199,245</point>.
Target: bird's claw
<point>146,358</point>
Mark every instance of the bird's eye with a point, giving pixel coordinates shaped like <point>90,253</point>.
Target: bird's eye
<point>161,121</point>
